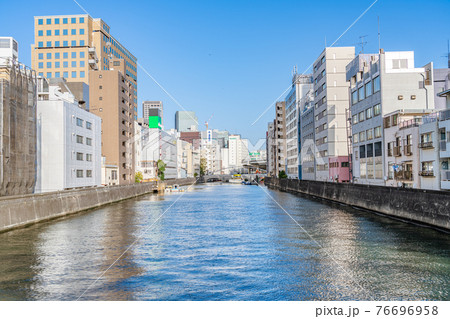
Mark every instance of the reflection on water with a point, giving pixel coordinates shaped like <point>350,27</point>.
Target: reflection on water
<point>224,242</point>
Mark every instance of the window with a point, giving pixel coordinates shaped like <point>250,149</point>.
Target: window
<point>79,173</point>
<point>79,156</point>
<point>73,43</point>
<point>40,65</point>
<point>368,88</point>
<point>49,21</point>
<point>49,32</point>
<point>377,131</point>
<point>377,110</point>
<point>49,55</point>
<point>41,21</point>
<point>41,74</point>
<point>82,64</point>
<point>49,75</point>
<point>369,148</point>
<point>80,122</point>
<point>57,21</point>
<point>81,31</point>
<point>88,157</point>
<point>66,74</point>
<point>362,151</point>
<point>88,173</point>
<point>65,55</point>
<point>40,33</point>
<point>82,74</point>
<point>369,113</point>
<point>74,74</point>
<point>369,134</point>
<point>49,44</point>
<point>81,42</point>
<point>41,56</point>
<point>74,64</point>
<point>362,136</point>
<point>81,54</point>
<point>355,138</point>
<point>65,32</point>
<point>376,84</point>
<point>57,55</point>
<point>57,75</point>
<point>57,44</point>
<point>378,150</point>
<point>40,44</point>
<point>361,93</point>
<point>74,55</point>
<point>355,97</point>
<point>81,20</point>
<point>65,64</point>
<point>79,139</point>
<point>65,43</point>
<point>57,65</point>
<point>88,141</point>
<point>361,116</point>
<point>89,125</point>
<point>73,32</point>
<point>64,20</point>
<point>57,32</point>
<point>73,20</point>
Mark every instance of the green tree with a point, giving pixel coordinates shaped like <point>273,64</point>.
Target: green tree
<point>202,166</point>
<point>161,169</point>
<point>195,174</point>
<point>138,177</point>
<point>282,174</point>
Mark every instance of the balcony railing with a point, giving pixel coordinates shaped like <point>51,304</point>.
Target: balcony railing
<point>397,151</point>
<point>407,149</point>
<point>445,175</point>
<point>427,173</point>
<point>389,152</point>
<point>404,176</point>
<point>426,145</point>
<point>443,146</point>
<point>444,115</point>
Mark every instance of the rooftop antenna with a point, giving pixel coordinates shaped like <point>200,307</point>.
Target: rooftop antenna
<point>362,43</point>
<point>379,35</point>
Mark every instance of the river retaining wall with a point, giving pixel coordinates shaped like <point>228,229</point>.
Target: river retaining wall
<point>417,205</point>
<point>20,211</point>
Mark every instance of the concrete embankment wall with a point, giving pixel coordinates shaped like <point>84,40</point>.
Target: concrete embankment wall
<point>421,206</point>
<point>19,211</point>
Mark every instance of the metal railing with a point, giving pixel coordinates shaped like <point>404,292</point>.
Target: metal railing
<point>445,175</point>
<point>426,145</point>
<point>427,173</point>
<point>397,151</point>
<point>404,175</point>
<point>407,149</point>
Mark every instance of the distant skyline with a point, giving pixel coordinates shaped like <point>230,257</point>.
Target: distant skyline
<point>234,59</point>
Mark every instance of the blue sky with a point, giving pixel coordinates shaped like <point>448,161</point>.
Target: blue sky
<point>234,58</point>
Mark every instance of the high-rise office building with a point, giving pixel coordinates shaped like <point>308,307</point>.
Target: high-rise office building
<point>71,46</point>
<point>186,121</point>
<point>111,98</point>
<point>331,102</point>
<point>147,106</point>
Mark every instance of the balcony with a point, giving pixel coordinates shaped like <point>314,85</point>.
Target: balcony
<point>445,179</point>
<point>407,150</point>
<point>389,152</point>
<point>428,173</point>
<point>404,176</point>
<point>397,151</point>
<point>426,145</point>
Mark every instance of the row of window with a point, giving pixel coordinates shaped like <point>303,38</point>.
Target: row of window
<point>81,157</point>
<point>80,140</point>
<point>80,123</point>
<point>367,135</point>
<point>369,150</point>
<point>367,114</point>
<point>58,32</point>
<point>58,55</point>
<point>366,90</point>
<point>57,65</point>
<point>58,20</point>
<point>73,43</point>
<point>80,173</point>
<point>65,74</point>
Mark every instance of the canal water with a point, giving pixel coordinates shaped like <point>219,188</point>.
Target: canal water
<point>224,242</point>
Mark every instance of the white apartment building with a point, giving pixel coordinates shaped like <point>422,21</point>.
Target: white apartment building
<point>379,85</point>
<point>301,85</point>
<point>238,152</point>
<point>444,146</point>
<point>307,169</point>
<point>330,105</point>
<point>68,140</point>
